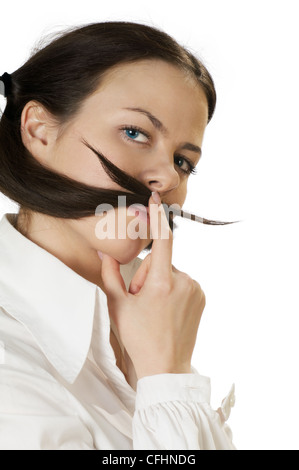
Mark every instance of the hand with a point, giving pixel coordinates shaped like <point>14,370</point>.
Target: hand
<point>158,318</point>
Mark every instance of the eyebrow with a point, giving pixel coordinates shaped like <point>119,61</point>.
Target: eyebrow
<point>161,128</point>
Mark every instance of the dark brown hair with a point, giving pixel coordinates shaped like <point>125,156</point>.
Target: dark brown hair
<point>60,76</point>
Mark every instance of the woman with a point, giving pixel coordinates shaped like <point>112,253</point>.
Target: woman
<point>97,343</point>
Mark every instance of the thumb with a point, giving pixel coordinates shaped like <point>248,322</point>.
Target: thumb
<point>139,277</point>
<point>112,279</point>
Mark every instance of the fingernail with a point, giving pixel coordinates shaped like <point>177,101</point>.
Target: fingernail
<point>100,254</point>
<point>156,197</point>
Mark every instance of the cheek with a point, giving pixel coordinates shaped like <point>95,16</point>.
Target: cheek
<point>121,236</point>
<point>117,225</point>
<point>179,196</point>
<point>73,159</point>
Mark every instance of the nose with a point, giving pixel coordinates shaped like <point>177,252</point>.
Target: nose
<point>162,177</point>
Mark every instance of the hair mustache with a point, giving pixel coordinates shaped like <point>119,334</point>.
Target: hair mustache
<point>121,177</point>
<point>139,192</point>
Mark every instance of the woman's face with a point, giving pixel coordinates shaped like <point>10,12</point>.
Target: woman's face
<point>140,118</point>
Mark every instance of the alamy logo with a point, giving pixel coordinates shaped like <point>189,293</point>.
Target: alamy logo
<point>114,225</point>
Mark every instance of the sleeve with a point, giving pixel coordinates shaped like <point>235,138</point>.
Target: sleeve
<point>172,412</point>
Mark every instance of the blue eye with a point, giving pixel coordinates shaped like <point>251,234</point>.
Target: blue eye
<point>134,133</point>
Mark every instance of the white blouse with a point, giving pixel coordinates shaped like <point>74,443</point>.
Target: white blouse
<point>60,387</point>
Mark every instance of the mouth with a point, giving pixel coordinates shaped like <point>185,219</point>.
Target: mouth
<point>140,212</point>
<point>143,214</point>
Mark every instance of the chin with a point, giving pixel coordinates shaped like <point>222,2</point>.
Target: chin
<point>128,250</point>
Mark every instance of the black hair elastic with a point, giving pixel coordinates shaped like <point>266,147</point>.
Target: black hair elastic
<point>6,79</point>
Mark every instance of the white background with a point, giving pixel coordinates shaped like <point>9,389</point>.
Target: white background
<point>249,171</point>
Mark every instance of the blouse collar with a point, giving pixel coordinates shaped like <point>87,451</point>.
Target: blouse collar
<point>51,300</point>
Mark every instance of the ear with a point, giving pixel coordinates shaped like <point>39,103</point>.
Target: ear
<point>38,135</point>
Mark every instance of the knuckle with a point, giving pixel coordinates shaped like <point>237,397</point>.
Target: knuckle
<point>199,292</point>
<point>185,281</point>
<point>203,299</point>
<point>190,286</point>
<point>197,286</point>
<point>163,287</point>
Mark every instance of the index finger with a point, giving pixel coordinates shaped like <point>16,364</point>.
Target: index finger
<point>161,234</point>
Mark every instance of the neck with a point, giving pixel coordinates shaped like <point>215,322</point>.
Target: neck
<point>56,236</point>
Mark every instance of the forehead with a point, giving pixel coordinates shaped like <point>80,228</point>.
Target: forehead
<point>169,92</point>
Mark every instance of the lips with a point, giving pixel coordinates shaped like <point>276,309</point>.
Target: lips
<point>144,215</point>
